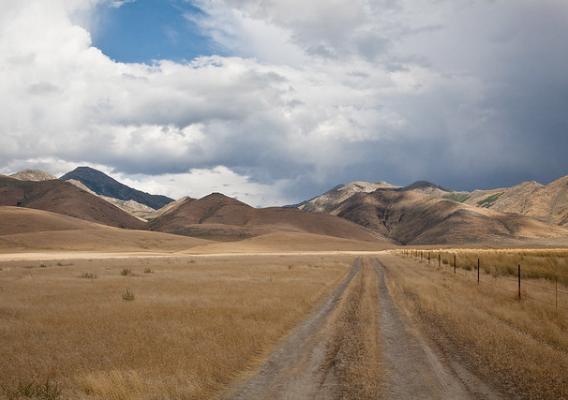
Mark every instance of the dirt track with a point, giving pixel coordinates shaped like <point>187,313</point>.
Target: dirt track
<point>306,366</point>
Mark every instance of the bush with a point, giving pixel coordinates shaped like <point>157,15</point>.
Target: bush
<point>88,275</point>
<point>126,272</point>
<point>128,295</point>
<point>32,390</point>
<point>148,270</point>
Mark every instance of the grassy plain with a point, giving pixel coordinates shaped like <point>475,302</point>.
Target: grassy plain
<point>170,328</point>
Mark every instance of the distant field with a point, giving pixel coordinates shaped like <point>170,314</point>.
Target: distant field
<point>172,328</point>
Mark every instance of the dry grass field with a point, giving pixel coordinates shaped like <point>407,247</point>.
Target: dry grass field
<point>520,347</point>
<point>545,264</point>
<point>149,328</point>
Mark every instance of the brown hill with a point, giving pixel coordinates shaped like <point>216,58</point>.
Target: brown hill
<point>415,217</point>
<point>24,229</point>
<point>223,218</point>
<point>547,203</point>
<point>64,198</point>
<point>290,242</point>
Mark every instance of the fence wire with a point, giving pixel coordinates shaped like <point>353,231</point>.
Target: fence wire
<point>529,289</point>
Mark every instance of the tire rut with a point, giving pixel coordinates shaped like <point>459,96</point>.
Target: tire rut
<point>294,371</point>
<point>413,370</point>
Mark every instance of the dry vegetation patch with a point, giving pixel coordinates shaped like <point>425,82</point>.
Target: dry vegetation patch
<point>354,353</point>
<point>521,347</point>
<point>548,264</point>
<point>195,325</point>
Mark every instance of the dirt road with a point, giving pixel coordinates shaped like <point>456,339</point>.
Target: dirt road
<point>333,355</point>
<point>294,370</point>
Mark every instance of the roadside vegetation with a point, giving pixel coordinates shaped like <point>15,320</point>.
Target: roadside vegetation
<point>545,264</point>
<point>520,347</point>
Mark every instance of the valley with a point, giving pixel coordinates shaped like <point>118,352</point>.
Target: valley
<point>368,292</point>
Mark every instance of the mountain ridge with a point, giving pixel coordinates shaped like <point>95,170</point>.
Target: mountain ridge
<point>104,185</point>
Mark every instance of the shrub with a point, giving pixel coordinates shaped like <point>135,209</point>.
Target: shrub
<point>88,275</point>
<point>148,270</point>
<point>128,295</point>
<point>126,272</point>
<point>31,390</point>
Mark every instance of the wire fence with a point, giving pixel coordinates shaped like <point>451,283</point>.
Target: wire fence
<point>547,292</point>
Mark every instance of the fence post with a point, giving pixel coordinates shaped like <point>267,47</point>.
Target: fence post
<point>421,255</point>
<point>478,270</point>
<point>519,274</point>
<point>428,258</point>
<point>455,265</point>
<point>439,259</point>
<point>557,294</point>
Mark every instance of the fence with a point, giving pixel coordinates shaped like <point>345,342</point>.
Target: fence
<point>544,291</point>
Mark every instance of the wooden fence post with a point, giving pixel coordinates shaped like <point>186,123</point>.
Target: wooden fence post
<point>556,294</point>
<point>439,259</point>
<point>455,264</point>
<point>478,270</point>
<point>519,275</point>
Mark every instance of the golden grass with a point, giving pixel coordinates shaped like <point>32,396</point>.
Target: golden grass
<point>546,264</point>
<point>193,327</point>
<point>520,347</point>
<point>354,352</point>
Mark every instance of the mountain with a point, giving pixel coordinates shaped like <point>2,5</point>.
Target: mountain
<point>64,198</point>
<point>547,203</point>
<point>426,213</point>
<point>223,218</point>
<point>330,199</point>
<point>24,229</point>
<point>426,187</point>
<point>141,211</point>
<point>34,175</point>
<point>104,185</point>
<point>413,217</point>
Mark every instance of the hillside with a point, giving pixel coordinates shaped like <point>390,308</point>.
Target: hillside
<point>24,229</point>
<point>547,203</point>
<point>104,185</point>
<point>33,175</point>
<point>411,216</point>
<point>223,218</point>
<point>63,198</point>
<point>332,198</point>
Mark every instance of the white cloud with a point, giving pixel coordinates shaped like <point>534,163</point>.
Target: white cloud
<point>321,91</point>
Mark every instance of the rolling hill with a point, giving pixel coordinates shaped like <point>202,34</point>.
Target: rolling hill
<point>64,198</point>
<point>24,229</point>
<point>222,218</point>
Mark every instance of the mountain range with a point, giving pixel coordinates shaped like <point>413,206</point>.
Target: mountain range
<point>365,212</point>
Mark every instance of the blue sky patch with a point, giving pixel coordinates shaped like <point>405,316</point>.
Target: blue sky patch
<point>147,30</point>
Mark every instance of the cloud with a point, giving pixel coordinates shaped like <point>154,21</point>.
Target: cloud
<point>452,91</point>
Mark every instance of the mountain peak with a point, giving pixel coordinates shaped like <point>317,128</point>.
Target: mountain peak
<point>34,175</point>
<point>104,185</point>
<point>424,185</point>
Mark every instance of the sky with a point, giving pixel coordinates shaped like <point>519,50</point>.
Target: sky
<point>275,101</point>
